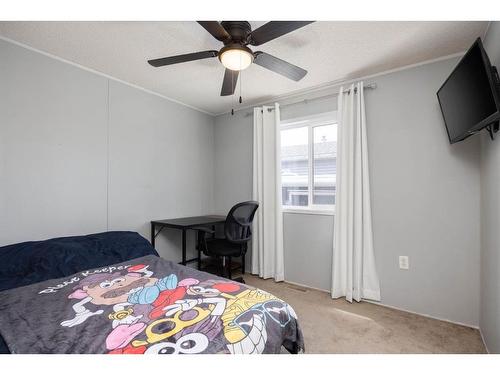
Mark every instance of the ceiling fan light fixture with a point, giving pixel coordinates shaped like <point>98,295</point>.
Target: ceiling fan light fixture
<point>236,57</point>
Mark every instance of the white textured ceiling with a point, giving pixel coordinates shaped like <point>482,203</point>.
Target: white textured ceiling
<point>330,51</point>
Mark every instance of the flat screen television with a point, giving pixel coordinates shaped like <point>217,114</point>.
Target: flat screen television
<point>469,98</point>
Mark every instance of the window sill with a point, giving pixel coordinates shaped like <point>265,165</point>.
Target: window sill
<point>308,211</point>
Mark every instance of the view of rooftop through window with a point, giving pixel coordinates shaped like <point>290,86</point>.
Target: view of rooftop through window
<point>295,166</point>
<point>325,166</point>
<point>308,165</point>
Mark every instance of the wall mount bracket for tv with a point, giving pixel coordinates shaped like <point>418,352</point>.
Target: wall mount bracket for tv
<point>494,126</point>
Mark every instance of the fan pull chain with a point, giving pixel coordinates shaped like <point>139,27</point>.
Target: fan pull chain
<point>232,98</point>
<point>241,83</point>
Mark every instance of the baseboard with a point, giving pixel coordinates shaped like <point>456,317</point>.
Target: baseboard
<point>395,308</point>
<point>424,315</point>
<point>484,341</point>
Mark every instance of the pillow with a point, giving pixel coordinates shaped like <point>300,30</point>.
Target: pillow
<point>32,262</point>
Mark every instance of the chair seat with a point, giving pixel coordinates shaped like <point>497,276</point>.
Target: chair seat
<point>222,247</point>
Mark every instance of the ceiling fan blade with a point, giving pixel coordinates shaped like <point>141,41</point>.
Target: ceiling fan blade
<point>229,82</point>
<point>273,30</point>
<point>182,58</point>
<point>216,29</point>
<point>279,66</point>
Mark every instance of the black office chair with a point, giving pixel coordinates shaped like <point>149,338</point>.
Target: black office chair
<point>237,233</point>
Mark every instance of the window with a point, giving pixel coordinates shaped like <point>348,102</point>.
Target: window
<point>308,162</point>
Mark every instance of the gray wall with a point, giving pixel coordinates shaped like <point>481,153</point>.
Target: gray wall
<point>161,164</point>
<point>490,219</point>
<point>233,160</point>
<point>75,160</point>
<point>308,242</point>
<point>425,197</point>
<point>72,164</point>
<point>52,147</point>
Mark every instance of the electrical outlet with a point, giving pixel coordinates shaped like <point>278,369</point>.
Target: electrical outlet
<point>404,262</point>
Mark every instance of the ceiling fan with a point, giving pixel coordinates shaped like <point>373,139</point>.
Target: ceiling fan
<point>236,56</point>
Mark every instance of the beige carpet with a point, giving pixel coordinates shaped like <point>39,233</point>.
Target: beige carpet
<point>336,326</point>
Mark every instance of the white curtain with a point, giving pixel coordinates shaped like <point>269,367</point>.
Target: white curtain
<point>267,241</point>
<point>354,271</point>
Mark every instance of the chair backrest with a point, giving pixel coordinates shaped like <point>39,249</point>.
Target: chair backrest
<point>239,221</point>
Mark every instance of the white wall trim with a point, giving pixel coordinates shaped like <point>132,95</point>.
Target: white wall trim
<point>337,83</point>
<point>291,95</point>
<point>422,314</point>
<point>484,341</point>
<point>323,118</point>
<point>399,309</point>
<point>107,156</point>
<point>487,29</point>
<point>308,211</point>
<point>48,54</point>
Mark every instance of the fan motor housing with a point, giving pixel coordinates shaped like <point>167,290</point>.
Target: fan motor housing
<point>239,30</point>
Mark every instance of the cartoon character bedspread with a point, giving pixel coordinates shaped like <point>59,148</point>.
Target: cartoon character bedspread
<point>146,305</point>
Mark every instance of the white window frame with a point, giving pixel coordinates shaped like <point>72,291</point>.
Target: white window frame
<point>327,118</point>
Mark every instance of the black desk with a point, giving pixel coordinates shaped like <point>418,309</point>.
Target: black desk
<point>183,224</point>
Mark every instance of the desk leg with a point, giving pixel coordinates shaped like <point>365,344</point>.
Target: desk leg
<point>152,234</point>
<point>198,247</point>
<point>184,247</point>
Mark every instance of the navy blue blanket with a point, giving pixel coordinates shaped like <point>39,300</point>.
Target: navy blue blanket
<point>32,262</point>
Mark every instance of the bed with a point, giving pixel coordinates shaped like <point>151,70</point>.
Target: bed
<point>111,293</point>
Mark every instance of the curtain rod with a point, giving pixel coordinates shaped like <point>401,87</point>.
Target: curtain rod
<point>368,86</point>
